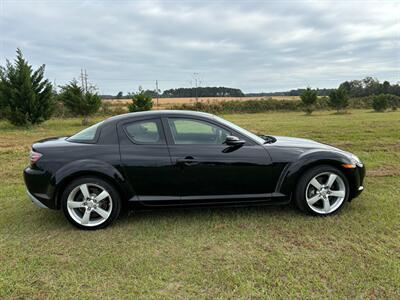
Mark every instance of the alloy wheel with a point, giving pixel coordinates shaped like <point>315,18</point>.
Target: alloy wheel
<point>89,204</point>
<point>325,192</point>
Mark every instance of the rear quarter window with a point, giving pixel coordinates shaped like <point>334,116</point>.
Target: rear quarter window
<point>87,135</point>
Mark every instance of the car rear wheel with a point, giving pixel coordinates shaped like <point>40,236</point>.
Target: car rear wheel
<point>90,203</point>
<point>322,190</point>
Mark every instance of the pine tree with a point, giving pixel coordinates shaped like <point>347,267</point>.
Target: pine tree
<point>25,96</point>
<point>80,102</point>
<point>141,101</point>
<point>338,99</point>
<point>309,98</point>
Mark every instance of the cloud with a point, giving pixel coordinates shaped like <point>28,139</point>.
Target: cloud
<point>253,45</point>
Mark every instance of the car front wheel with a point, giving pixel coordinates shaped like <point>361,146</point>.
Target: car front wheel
<point>322,190</point>
<point>90,203</point>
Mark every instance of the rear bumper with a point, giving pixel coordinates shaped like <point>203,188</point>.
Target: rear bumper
<point>35,200</point>
<point>39,189</point>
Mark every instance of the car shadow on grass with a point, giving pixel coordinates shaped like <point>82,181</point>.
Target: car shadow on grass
<point>225,213</point>
<point>55,220</point>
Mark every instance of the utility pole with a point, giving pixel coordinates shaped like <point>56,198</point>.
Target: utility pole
<point>84,80</point>
<point>196,85</point>
<point>86,89</point>
<point>157,92</point>
<point>83,86</point>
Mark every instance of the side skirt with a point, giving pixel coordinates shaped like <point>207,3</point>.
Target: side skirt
<point>212,200</point>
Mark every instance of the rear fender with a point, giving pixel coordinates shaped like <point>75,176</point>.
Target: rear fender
<point>89,167</point>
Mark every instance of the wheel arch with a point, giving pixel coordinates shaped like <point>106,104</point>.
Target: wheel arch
<point>98,169</point>
<point>294,171</point>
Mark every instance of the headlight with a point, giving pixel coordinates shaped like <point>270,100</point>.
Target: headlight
<point>356,160</point>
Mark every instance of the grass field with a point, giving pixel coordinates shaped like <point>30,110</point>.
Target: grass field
<point>258,252</point>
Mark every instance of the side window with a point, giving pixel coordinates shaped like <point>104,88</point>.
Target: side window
<point>191,131</point>
<point>86,135</point>
<point>145,132</point>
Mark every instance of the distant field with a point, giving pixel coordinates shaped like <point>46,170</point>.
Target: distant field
<point>166,102</point>
<point>221,253</point>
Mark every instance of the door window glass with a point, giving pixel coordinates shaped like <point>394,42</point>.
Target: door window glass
<point>145,132</point>
<point>190,131</point>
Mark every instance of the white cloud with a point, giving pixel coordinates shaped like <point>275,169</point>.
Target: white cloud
<point>255,46</point>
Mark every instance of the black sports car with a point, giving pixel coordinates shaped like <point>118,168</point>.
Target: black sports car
<point>181,158</point>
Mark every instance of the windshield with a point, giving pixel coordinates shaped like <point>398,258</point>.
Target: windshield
<point>86,135</point>
<point>241,130</point>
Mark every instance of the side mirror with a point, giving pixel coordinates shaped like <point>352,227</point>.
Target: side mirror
<point>234,141</point>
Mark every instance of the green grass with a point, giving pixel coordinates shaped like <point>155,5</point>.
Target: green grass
<point>258,252</point>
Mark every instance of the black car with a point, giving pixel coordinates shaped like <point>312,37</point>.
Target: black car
<point>181,158</point>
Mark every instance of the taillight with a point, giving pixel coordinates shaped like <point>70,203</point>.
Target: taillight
<point>34,156</point>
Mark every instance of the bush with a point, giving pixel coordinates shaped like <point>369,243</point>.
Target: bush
<point>263,105</point>
<point>338,99</point>
<point>141,101</point>
<point>361,102</point>
<point>248,106</point>
<point>25,96</point>
<point>309,98</point>
<point>384,101</point>
<point>80,102</point>
<point>60,111</point>
<point>394,102</point>
<point>380,103</point>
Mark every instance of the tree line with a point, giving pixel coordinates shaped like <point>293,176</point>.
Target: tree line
<point>203,92</point>
<point>295,92</point>
<point>193,92</point>
<point>354,88</point>
<point>368,86</point>
<point>383,95</point>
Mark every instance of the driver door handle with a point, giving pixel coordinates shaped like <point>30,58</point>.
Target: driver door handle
<point>187,161</point>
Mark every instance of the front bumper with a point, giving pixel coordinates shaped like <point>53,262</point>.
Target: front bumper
<point>358,181</point>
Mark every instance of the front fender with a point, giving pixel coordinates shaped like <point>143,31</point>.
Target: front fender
<point>87,167</point>
<point>307,160</point>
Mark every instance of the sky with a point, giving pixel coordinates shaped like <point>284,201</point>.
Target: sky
<point>252,45</point>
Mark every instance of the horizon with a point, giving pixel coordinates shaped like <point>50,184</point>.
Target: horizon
<point>247,93</point>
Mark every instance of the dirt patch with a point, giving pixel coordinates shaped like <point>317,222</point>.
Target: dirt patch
<point>384,171</point>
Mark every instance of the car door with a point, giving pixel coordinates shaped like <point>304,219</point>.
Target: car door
<point>146,161</point>
<point>212,170</point>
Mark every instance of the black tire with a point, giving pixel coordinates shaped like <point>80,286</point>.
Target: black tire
<point>93,183</point>
<point>304,180</point>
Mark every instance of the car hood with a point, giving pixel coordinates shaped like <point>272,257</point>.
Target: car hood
<point>285,141</point>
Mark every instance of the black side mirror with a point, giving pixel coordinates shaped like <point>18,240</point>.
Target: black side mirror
<point>234,141</point>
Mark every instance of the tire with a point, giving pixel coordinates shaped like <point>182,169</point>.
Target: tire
<point>326,195</point>
<point>93,207</point>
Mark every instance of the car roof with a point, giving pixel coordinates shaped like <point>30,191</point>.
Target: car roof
<point>159,113</point>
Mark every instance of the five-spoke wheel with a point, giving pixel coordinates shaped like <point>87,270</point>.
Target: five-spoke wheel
<point>322,190</point>
<point>90,203</point>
